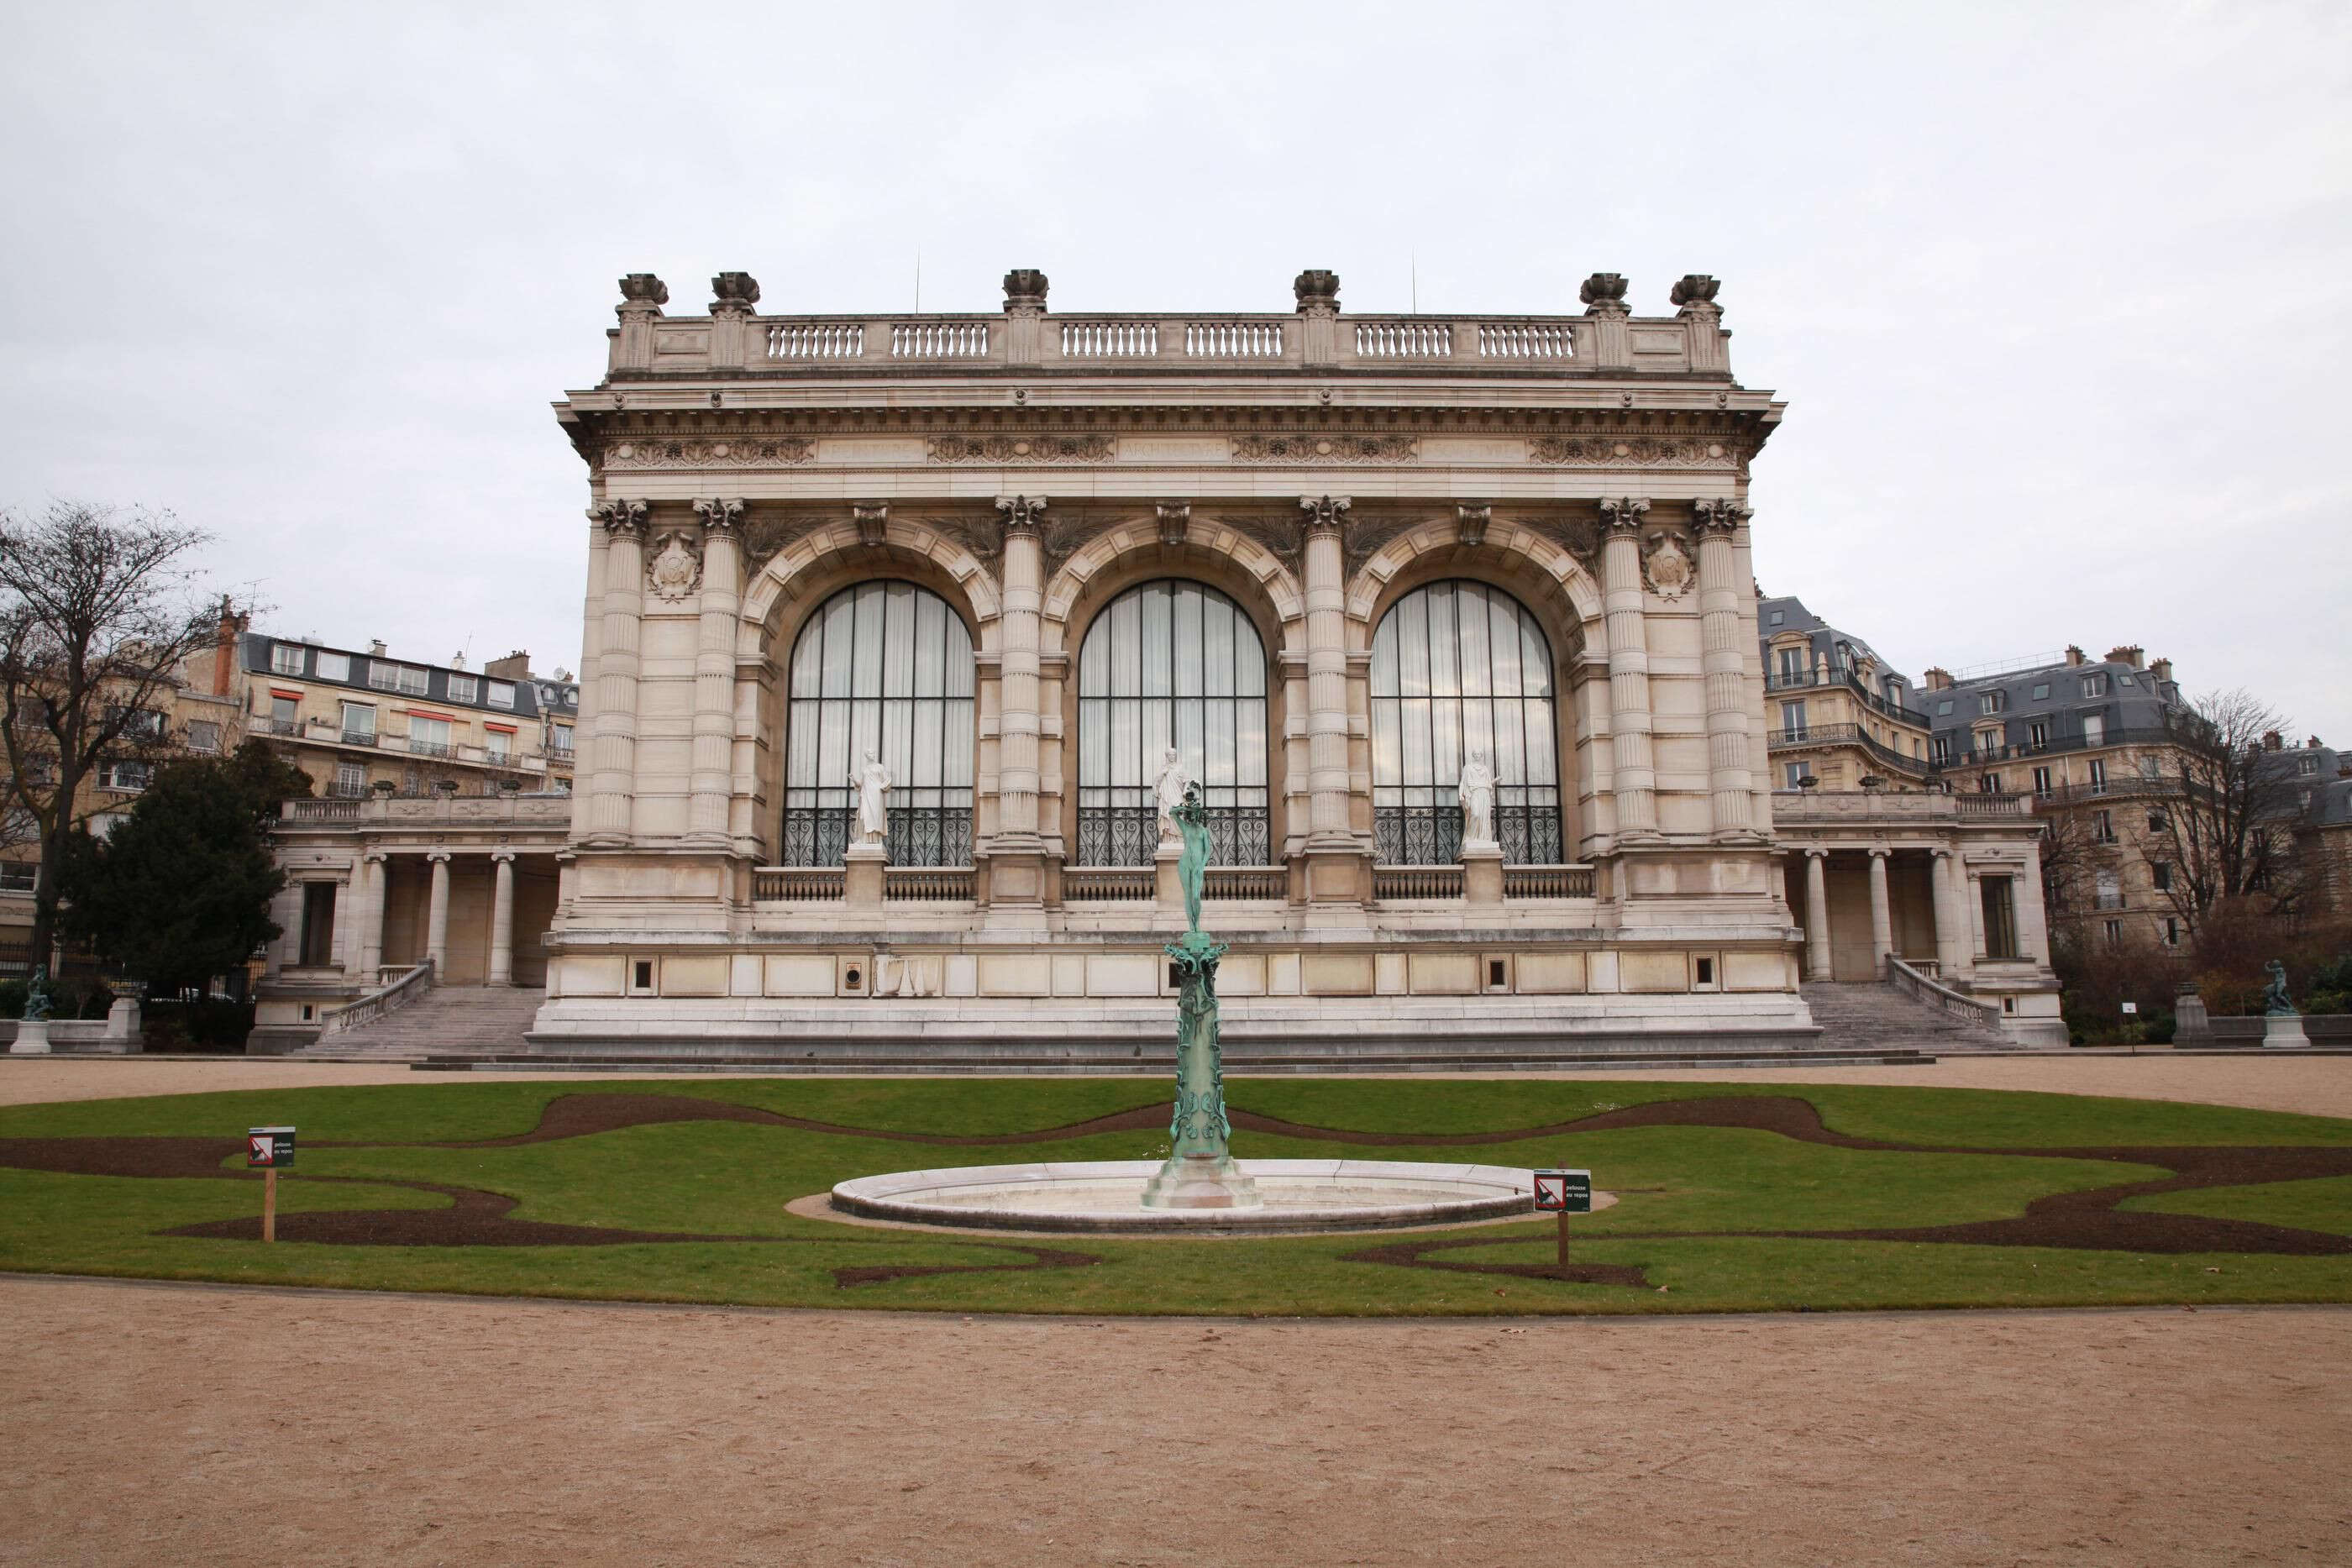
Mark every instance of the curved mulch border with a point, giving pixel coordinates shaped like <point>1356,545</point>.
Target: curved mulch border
<point>2089,1220</point>
<point>1416,1255</point>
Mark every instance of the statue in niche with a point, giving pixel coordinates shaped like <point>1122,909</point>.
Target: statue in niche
<point>1169,789</point>
<point>872,782</point>
<point>1476,790</point>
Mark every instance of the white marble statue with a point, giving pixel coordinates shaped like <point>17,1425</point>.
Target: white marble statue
<point>1478,792</point>
<point>1169,788</point>
<point>872,782</point>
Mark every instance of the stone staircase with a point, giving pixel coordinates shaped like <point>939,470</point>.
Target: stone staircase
<point>1871,1015</point>
<point>466,1018</point>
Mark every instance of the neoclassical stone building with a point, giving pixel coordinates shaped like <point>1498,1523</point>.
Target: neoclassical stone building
<point>1329,559</point>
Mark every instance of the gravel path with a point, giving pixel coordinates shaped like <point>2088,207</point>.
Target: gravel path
<point>188,1424</point>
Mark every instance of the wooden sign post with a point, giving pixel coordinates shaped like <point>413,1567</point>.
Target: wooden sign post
<point>1564,1193</point>
<point>266,1149</point>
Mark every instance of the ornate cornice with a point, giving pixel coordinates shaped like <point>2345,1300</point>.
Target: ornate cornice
<point>1019,449</point>
<point>1329,446</point>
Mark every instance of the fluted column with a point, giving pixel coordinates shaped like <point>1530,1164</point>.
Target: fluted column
<point>1327,673</point>
<point>1016,768</point>
<point>436,916</point>
<point>713,762</point>
<point>1634,771</point>
<point>1882,916</point>
<point>1724,661</point>
<point>2033,921</point>
<point>1817,914</point>
<point>502,919</point>
<point>614,769</point>
<point>1951,921</point>
<point>375,882</point>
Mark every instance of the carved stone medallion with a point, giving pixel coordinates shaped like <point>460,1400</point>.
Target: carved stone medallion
<point>676,570</point>
<point>1669,566</point>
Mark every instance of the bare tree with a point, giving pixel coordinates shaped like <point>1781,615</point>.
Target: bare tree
<point>2226,824</point>
<point>98,609</point>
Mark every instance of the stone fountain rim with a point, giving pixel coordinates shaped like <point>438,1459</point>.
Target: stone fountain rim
<point>1501,1192</point>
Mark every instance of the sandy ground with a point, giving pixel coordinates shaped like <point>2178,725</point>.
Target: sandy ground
<point>2320,1085</point>
<point>153,1424</point>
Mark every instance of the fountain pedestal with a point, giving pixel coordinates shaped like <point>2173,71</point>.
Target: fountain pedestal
<point>1200,1172</point>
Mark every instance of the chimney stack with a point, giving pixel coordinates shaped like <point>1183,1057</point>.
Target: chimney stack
<point>1937,679</point>
<point>2161,670</point>
<point>2074,656</point>
<point>375,648</point>
<point>2270,740</point>
<point>225,640</point>
<point>2128,653</point>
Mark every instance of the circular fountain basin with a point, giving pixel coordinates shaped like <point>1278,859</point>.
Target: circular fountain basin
<point>1107,1196</point>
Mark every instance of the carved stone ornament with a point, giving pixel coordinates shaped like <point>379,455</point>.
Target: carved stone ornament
<point>721,515</point>
<point>873,523</point>
<point>711,452</point>
<point>765,534</point>
<point>1024,289</point>
<point>1604,292</point>
<point>619,517</point>
<point>1316,289</point>
<point>1175,522</point>
<point>1021,512</point>
<point>1669,566</point>
<point>1718,516</point>
<point>1470,521</point>
<point>1363,536</point>
<point>1327,448</point>
<point>1624,514</point>
<point>1636,451</point>
<point>676,570</point>
<point>1324,511</point>
<point>1020,449</point>
<point>644,292</point>
<point>1695,289</point>
<point>735,291</point>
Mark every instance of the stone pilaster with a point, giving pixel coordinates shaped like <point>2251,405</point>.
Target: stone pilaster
<point>1817,914</point>
<point>613,779</point>
<point>1951,920</point>
<point>1334,859</point>
<point>641,297</point>
<point>1024,316</point>
<point>1604,293</point>
<point>713,757</point>
<point>436,917</point>
<point>1016,874</point>
<point>502,918</point>
<point>2033,921</point>
<point>731,337</point>
<point>1694,297</point>
<point>1318,293</point>
<point>1633,771</point>
<point>1724,660</point>
<point>375,880</point>
<point>1882,916</point>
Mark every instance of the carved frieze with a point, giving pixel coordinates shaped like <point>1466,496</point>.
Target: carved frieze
<point>1020,449</point>
<point>1640,451</point>
<point>1325,447</point>
<point>707,452</point>
<point>674,569</point>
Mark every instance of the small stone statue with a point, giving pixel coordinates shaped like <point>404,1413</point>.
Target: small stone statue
<point>1478,793</point>
<point>2274,998</point>
<point>37,994</point>
<point>872,781</point>
<point>1169,788</point>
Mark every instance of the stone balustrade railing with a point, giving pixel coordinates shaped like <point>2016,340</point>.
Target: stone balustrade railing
<point>550,810</point>
<point>1547,882</point>
<point>1912,983</point>
<point>797,883</point>
<point>405,986</point>
<point>927,885</point>
<point>1390,881</point>
<point>1108,884</point>
<point>1237,882</point>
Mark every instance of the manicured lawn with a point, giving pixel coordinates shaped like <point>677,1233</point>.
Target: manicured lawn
<point>1703,1223</point>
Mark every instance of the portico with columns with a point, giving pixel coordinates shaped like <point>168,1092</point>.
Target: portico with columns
<point>1329,559</point>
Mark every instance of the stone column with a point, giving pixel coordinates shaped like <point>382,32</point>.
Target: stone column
<point>502,919</point>
<point>1882,916</point>
<point>615,742</point>
<point>1952,923</point>
<point>375,889</point>
<point>436,918</point>
<point>1016,872</point>
<point>1634,773</point>
<point>1725,660</point>
<point>1817,914</point>
<point>1334,863</point>
<point>2025,898</point>
<point>713,757</point>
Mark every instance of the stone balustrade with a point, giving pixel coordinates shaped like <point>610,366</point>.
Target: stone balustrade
<point>553,810</point>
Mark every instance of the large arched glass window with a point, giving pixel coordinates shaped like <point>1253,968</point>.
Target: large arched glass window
<point>1461,670</point>
<point>883,667</point>
<point>1170,664</point>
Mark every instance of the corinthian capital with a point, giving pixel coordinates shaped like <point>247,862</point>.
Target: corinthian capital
<point>1021,512</point>
<point>620,519</point>
<point>1324,511</point>
<point>721,515</point>
<point>1717,515</point>
<point>1620,515</point>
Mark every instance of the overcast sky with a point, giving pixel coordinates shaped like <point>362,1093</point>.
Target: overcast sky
<point>2057,296</point>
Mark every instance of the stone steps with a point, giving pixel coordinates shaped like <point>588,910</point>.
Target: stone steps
<point>448,1018</point>
<point>1871,1015</point>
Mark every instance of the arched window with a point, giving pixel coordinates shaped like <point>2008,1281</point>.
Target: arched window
<point>1170,664</point>
<point>1461,669</point>
<point>883,667</point>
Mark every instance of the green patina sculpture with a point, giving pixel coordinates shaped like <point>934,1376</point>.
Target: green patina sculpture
<point>1199,1172</point>
<point>2275,1003</point>
<point>37,994</point>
